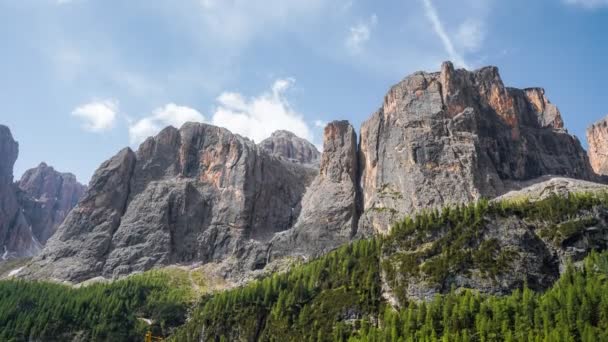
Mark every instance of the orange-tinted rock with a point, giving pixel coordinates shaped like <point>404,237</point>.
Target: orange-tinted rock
<point>597,138</point>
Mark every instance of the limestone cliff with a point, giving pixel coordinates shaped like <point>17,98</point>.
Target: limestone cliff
<point>597,137</point>
<point>291,147</point>
<point>197,194</point>
<point>31,209</point>
<point>456,136</point>
<point>200,194</point>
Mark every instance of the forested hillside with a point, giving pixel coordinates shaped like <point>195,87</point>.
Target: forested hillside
<point>362,291</point>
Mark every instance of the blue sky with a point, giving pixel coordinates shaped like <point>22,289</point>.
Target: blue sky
<point>81,79</point>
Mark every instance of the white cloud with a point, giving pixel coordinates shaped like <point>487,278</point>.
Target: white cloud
<point>360,34</point>
<point>320,123</point>
<point>588,4</point>
<point>97,116</point>
<point>259,116</point>
<point>470,35</point>
<point>431,14</point>
<point>169,115</point>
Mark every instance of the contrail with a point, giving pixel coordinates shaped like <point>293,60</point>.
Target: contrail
<point>431,14</point>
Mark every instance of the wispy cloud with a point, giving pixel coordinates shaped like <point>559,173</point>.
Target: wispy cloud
<point>438,27</point>
<point>359,34</point>
<point>97,116</point>
<point>320,123</point>
<point>470,34</point>
<point>588,4</point>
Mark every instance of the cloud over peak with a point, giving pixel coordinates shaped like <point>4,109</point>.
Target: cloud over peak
<point>257,117</point>
<point>254,117</point>
<point>168,115</point>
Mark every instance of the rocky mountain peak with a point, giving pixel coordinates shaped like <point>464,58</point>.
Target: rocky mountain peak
<point>31,209</point>
<point>288,145</point>
<point>455,136</point>
<point>597,137</point>
<point>9,149</point>
<point>330,206</point>
<point>339,159</point>
<point>194,194</point>
<point>203,194</point>
<point>46,197</point>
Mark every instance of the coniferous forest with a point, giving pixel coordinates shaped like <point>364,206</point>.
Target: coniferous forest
<point>344,296</point>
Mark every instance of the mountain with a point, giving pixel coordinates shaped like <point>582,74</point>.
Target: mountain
<point>15,235</point>
<point>200,194</point>
<point>597,137</point>
<point>456,136</point>
<point>197,194</point>
<point>330,206</point>
<point>358,292</point>
<point>47,196</point>
<point>32,208</point>
<point>289,146</point>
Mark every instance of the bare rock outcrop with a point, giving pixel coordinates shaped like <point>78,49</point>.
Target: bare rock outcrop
<point>31,209</point>
<point>330,206</point>
<point>288,145</point>
<point>197,194</point>
<point>597,137</point>
<point>15,233</point>
<point>47,196</point>
<point>200,194</point>
<point>455,136</point>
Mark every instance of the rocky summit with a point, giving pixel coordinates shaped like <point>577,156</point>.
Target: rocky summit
<point>197,194</point>
<point>32,208</point>
<point>289,146</point>
<point>597,137</point>
<point>200,194</point>
<point>456,136</point>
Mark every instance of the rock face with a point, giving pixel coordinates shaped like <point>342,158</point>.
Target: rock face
<point>197,194</point>
<point>202,194</point>
<point>31,209</point>
<point>597,137</point>
<point>47,196</point>
<point>287,145</point>
<point>330,206</point>
<point>523,249</point>
<point>456,136</point>
<point>15,234</point>
<point>544,187</point>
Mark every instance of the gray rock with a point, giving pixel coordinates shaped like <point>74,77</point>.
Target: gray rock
<point>291,147</point>
<point>31,209</point>
<point>47,196</point>
<point>544,187</point>
<point>197,194</point>
<point>457,136</point>
<point>528,253</point>
<point>330,206</point>
<point>201,194</point>
<point>15,237</point>
<point>597,137</point>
